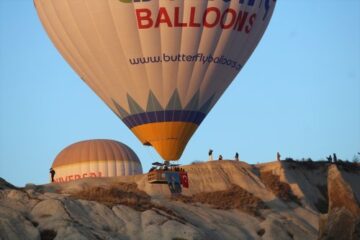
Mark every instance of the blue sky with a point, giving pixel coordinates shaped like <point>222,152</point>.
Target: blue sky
<point>299,94</point>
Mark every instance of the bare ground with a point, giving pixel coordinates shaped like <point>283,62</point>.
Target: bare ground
<point>281,189</point>
<point>233,198</point>
<point>121,193</point>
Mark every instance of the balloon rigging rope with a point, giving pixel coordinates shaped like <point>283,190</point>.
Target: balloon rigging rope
<point>150,154</point>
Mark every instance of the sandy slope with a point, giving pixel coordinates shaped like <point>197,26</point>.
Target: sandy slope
<point>291,206</point>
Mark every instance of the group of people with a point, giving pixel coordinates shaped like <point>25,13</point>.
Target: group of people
<point>211,158</point>
<point>167,168</point>
<point>332,158</point>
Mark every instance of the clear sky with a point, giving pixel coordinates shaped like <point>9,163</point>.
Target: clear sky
<point>299,94</point>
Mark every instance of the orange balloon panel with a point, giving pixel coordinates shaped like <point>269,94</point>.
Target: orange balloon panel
<point>168,138</point>
<point>95,158</point>
<point>157,60</point>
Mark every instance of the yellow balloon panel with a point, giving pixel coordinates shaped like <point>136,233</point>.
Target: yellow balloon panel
<point>168,138</point>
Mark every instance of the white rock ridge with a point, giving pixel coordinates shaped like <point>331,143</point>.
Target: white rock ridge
<point>61,211</point>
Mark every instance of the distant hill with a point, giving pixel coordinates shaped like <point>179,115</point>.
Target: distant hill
<point>226,200</point>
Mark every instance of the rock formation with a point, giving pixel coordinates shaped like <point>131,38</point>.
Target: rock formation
<point>226,200</point>
<point>343,218</point>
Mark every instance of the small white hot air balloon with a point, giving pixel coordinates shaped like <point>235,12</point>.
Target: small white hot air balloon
<point>95,158</point>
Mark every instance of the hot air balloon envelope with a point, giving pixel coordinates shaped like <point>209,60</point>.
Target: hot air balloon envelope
<point>160,65</point>
<point>95,158</point>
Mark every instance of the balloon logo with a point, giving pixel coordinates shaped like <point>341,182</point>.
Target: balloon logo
<point>160,65</point>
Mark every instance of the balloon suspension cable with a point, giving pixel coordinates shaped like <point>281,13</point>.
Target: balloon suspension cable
<point>150,154</point>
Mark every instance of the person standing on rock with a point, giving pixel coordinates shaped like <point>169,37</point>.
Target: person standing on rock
<point>335,157</point>
<point>220,157</point>
<point>52,173</point>
<point>236,156</point>
<point>211,155</point>
<point>278,156</point>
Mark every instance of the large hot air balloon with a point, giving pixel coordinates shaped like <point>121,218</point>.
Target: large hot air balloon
<point>95,158</point>
<point>160,65</point>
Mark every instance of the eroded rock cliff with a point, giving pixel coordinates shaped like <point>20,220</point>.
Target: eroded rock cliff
<point>226,200</point>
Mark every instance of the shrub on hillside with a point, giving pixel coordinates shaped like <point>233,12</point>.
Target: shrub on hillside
<point>122,193</point>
